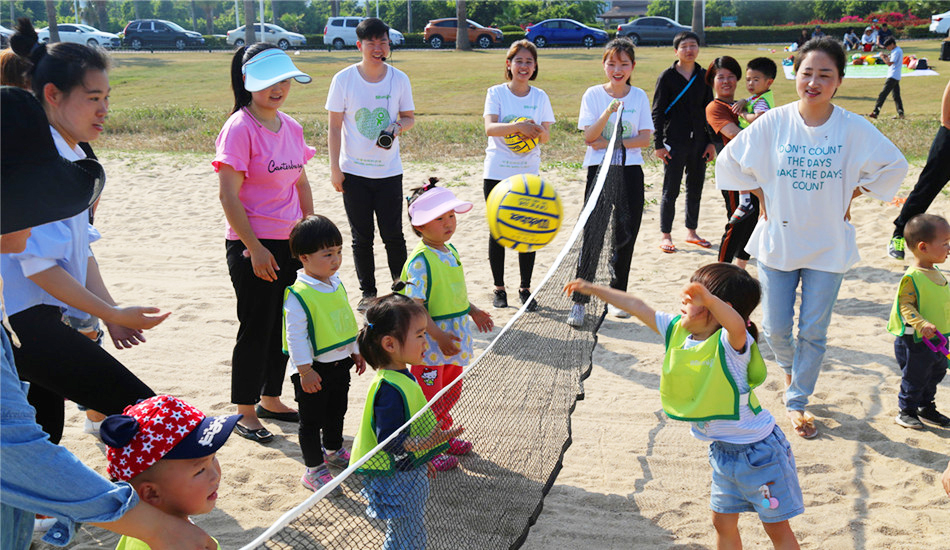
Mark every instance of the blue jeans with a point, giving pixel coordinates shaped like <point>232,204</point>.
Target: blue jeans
<point>801,359</point>
<point>400,499</point>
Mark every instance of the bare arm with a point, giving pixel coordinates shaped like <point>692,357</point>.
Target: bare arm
<point>334,142</point>
<point>230,182</point>
<point>642,139</point>
<point>159,530</point>
<point>945,107</point>
<point>595,130</point>
<point>730,130</point>
<point>526,128</point>
<point>619,298</point>
<point>407,119</point>
<point>304,194</point>
<point>728,318</point>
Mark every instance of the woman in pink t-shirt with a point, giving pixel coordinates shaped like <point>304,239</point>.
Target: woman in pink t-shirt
<point>264,190</point>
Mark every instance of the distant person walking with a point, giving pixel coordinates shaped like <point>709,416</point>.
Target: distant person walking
<point>933,178</point>
<point>680,141</point>
<point>894,60</point>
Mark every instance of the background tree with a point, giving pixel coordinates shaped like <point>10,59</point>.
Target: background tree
<point>461,37</point>
<point>698,21</point>
<point>51,20</point>
<point>249,35</point>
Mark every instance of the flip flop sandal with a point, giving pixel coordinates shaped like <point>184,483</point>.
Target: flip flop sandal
<point>668,248</point>
<point>699,242</point>
<point>804,424</point>
<point>260,435</point>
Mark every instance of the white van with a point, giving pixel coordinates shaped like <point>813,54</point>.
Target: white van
<point>341,32</point>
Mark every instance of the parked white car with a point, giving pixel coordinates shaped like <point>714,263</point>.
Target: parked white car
<point>940,23</point>
<point>82,34</point>
<point>341,32</point>
<point>272,35</point>
<point>5,35</point>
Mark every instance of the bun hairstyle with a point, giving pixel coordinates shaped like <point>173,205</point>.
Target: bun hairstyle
<point>415,193</point>
<point>730,283</point>
<point>242,97</point>
<point>389,315</point>
<point>63,64</point>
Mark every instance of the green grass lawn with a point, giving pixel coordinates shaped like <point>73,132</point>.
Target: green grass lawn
<point>178,101</point>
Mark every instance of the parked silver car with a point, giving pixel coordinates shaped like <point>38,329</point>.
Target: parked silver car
<point>272,35</point>
<point>657,30</point>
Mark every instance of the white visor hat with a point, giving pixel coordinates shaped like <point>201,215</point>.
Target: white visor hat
<point>270,67</point>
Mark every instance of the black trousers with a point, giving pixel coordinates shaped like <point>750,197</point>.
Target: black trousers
<point>933,178</point>
<point>496,254</point>
<point>323,410</point>
<point>921,371</point>
<point>627,214</point>
<point>364,198</point>
<point>688,157</point>
<point>59,363</point>
<point>257,362</point>
<point>891,84</point>
<point>735,237</point>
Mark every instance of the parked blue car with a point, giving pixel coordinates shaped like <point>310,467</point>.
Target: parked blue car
<point>564,31</point>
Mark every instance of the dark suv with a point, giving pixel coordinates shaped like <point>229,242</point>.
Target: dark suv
<point>157,33</point>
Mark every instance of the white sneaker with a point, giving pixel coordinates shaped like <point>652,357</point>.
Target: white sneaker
<point>617,312</point>
<point>576,318</point>
<point>93,428</point>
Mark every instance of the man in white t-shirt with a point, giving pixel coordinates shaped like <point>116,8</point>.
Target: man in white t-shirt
<point>895,60</point>
<point>370,106</point>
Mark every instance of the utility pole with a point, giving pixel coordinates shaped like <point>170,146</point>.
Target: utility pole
<point>408,19</point>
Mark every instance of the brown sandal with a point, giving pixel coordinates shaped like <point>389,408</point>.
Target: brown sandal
<point>803,422</point>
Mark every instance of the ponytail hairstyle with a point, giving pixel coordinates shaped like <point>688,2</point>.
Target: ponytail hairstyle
<point>386,316</point>
<point>415,193</point>
<point>242,97</point>
<point>63,64</point>
<point>732,284</point>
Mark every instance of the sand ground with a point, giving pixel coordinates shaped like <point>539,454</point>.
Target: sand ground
<point>632,479</point>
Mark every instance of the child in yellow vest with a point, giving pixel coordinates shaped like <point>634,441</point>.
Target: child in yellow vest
<point>435,279</point>
<point>921,310</point>
<point>711,365</point>
<point>320,338</point>
<point>395,484</point>
<point>165,449</point>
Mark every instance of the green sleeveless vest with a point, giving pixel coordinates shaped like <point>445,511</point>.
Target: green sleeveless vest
<point>382,463</point>
<point>769,100</point>
<point>933,303</point>
<point>696,385</point>
<point>330,311</point>
<point>446,298</point>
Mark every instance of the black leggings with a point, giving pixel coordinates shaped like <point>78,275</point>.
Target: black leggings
<point>736,236</point>
<point>496,255</point>
<point>257,362</point>
<point>59,363</point>
<point>323,410</point>
<point>627,214</point>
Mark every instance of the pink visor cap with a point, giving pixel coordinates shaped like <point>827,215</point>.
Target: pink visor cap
<point>434,203</point>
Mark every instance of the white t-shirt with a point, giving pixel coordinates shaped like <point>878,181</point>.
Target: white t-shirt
<point>897,63</point>
<point>750,427</point>
<point>807,175</point>
<point>500,161</point>
<point>367,109</point>
<point>636,116</point>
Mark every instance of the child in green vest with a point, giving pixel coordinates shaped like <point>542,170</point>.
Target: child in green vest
<point>759,76</point>
<point>165,449</point>
<point>320,338</point>
<point>435,279</point>
<point>921,310</point>
<point>395,484</point>
<point>711,365</point>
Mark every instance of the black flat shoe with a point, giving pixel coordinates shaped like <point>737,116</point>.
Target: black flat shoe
<point>260,435</point>
<point>292,416</point>
<point>501,299</point>
<point>525,296</point>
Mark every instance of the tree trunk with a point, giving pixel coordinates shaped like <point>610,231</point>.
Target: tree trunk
<point>194,16</point>
<point>698,22</point>
<point>138,11</point>
<point>409,16</point>
<point>461,38</point>
<point>249,34</point>
<point>102,14</point>
<point>334,8</point>
<point>51,19</point>
<point>273,10</point>
<point>209,17</point>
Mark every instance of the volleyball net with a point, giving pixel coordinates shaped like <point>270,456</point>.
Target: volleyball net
<point>515,402</point>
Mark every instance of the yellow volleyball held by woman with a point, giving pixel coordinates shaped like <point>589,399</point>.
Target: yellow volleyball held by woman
<point>524,213</point>
<point>517,142</point>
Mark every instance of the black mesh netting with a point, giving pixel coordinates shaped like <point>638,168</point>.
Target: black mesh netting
<point>515,403</point>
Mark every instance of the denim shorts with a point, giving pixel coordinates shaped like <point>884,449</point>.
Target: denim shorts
<point>756,477</point>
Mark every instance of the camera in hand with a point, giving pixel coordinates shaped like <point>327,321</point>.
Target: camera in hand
<point>385,139</point>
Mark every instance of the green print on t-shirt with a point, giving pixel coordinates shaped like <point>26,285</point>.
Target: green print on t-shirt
<point>808,166</point>
<point>370,123</point>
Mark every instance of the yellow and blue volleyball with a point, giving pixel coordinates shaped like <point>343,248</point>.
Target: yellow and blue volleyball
<point>524,213</point>
<point>518,143</point>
